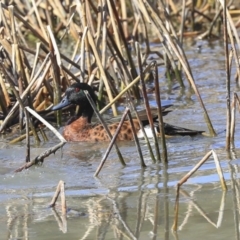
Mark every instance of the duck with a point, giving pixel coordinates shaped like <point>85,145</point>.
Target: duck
<point>80,128</point>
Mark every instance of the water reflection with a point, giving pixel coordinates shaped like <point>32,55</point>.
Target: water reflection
<point>138,204</point>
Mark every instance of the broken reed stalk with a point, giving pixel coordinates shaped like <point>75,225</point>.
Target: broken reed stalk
<point>160,117</point>
<point>198,165</point>
<point>190,173</point>
<point>105,126</point>
<point>111,143</point>
<point>60,189</point>
<point>146,102</point>
<point>228,94</point>
<point>40,158</point>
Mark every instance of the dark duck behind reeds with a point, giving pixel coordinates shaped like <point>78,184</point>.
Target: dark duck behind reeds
<point>80,128</point>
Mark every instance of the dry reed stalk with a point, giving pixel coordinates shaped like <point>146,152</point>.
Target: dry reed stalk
<point>228,93</point>
<point>144,37</point>
<point>44,136</point>
<point>105,126</point>
<point>74,54</point>
<point>3,103</point>
<point>208,33</point>
<point>160,117</point>
<point>111,143</point>
<point>5,22</point>
<point>60,189</point>
<point>56,66</point>
<point>81,9</point>
<point>124,18</point>
<point>5,96</point>
<point>233,120</point>
<point>101,21</point>
<point>59,11</point>
<point>146,102</point>
<point>190,173</point>
<point>39,19</point>
<point>38,46</point>
<point>236,56</point>
<point>27,159</point>
<point>113,23</point>
<point>21,137</point>
<point>102,17</point>
<point>38,80</point>
<point>230,22</point>
<point>143,165</point>
<point>82,54</point>
<point>183,19</point>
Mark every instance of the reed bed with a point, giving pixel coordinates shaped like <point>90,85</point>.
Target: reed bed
<point>104,53</point>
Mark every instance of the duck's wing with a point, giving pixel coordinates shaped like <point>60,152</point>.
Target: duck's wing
<point>154,111</point>
<point>142,115</point>
<point>175,130</point>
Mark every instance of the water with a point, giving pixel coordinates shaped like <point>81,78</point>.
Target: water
<point>130,202</point>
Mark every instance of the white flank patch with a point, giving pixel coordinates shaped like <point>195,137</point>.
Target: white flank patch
<point>148,131</point>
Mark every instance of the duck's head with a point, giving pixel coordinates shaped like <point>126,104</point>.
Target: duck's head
<point>75,95</point>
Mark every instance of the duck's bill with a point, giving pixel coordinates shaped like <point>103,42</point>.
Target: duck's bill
<point>64,103</point>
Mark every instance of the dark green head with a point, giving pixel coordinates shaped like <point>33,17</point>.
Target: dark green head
<point>75,95</point>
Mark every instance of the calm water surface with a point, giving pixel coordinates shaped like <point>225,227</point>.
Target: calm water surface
<point>130,202</point>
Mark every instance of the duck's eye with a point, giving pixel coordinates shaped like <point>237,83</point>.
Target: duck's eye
<point>77,89</point>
